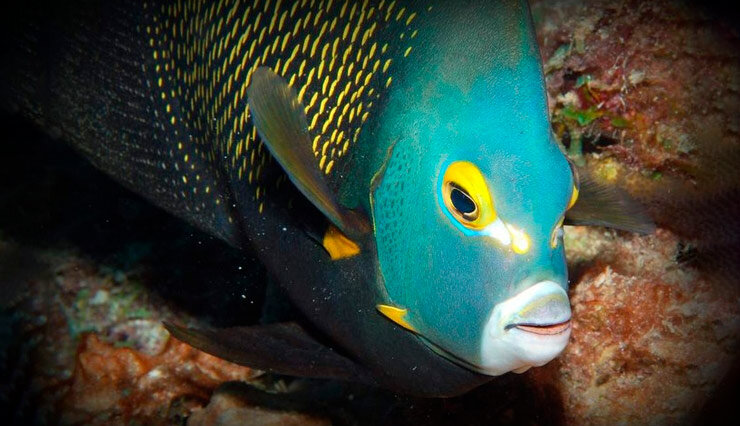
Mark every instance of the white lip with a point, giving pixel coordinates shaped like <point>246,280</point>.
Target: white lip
<point>527,330</point>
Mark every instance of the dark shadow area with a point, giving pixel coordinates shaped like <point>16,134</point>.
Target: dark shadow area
<point>52,198</point>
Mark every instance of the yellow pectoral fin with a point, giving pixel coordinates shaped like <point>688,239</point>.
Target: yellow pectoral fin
<point>338,245</point>
<point>396,315</point>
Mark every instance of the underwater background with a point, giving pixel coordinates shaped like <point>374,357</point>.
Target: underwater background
<point>646,95</point>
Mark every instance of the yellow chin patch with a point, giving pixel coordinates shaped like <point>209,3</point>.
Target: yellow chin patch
<point>338,245</point>
<point>396,315</point>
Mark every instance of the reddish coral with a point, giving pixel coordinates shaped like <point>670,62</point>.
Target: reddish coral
<point>229,408</point>
<point>659,78</point>
<point>121,384</point>
<point>651,339</point>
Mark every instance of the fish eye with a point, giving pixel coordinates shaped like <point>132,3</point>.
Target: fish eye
<point>466,197</point>
<point>463,203</point>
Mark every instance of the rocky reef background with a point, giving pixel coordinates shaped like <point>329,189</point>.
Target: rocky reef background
<point>645,95</point>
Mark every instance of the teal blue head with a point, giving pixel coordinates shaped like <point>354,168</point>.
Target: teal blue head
<point>468,209</point>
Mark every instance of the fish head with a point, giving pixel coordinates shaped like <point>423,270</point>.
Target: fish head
<point>470,247</point>
<point>468,212</point>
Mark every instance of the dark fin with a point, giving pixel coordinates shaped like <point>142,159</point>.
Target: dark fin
<point>609,206</point>
<point>283,348</point>
<point>280,119</point>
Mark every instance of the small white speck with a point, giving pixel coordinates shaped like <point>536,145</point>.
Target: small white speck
<point>244,296</point>
<point>155,374</point>
<point>284,229</point>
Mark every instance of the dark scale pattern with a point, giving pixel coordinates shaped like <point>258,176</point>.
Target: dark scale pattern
<point>155,93</point>
<point>338,55</point>
<point>78,72</point>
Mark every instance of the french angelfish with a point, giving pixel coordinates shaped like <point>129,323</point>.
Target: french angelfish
<point>390,162</point>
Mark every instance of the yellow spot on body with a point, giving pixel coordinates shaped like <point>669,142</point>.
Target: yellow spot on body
<point>329,166</point>
<point>301,93</point>
<point>396,315</point>
<point>313,122</point>
<point>338,245</point>
<point>406,53</point>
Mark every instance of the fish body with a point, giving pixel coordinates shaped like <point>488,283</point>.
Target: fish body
<point>390,162</point>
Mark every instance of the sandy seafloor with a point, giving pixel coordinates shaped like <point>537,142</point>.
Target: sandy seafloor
<point>646,95</point>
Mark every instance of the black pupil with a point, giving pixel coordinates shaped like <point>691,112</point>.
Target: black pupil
<point>462,201</point>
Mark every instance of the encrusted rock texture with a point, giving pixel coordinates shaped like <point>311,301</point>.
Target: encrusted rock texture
<point>644,95</point>
<point>98,353</point>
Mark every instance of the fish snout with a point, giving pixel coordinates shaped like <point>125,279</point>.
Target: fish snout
<point>527,330</point>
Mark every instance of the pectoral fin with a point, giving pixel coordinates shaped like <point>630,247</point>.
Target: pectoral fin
<point>284,348</point>
<point>604,205</point>
<point>280,120</point>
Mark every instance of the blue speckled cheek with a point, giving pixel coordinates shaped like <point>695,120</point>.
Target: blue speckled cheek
<point>392,216</point>
<point>447,281</point>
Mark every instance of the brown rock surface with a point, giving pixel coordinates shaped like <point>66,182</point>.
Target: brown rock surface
<point>647,96</point>
<point>229,408</point>
<point>121,385</point>
<point>651,339</point>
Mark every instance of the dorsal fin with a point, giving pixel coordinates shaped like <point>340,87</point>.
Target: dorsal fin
<point>280,120</point>
<point>606,205</point>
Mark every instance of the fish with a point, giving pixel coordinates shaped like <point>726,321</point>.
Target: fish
<point>391,163</point>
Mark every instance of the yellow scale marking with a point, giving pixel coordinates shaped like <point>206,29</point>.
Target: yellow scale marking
<point>205,54</point>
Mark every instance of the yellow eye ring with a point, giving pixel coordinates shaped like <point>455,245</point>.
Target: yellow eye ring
<point>466,196</point>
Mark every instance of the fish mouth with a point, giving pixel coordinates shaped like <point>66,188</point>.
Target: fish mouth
<point>526,330</point>
<point>543,329</point>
